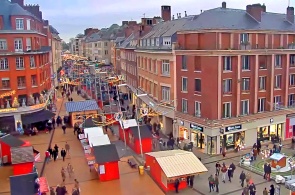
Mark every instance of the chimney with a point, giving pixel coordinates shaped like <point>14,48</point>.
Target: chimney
<point>264,8</point>
<point>166,12</point>
<point>124,23</point>
<point>132,23</point>
<point>46,23</point>
<point>40,15</point>
<point>223,5</point>
<point>20,2</point>
<point>290,14</point>
<point>255,11</point>
<point>185,14</point>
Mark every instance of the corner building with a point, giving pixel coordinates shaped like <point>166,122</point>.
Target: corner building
<point>236,78</point>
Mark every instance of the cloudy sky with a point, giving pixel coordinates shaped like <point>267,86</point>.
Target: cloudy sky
<point>71,17</point>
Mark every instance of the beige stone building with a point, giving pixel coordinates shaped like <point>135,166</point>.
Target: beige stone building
<point>56,50</point>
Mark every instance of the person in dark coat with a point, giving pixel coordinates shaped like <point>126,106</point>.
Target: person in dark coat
<point>242,178</point>
<point>50,151</point>
<point>272,190</point>
<point>55,154</point>
<point>56,148</point>
<point>58,121</point>
<point>53,122</point>
<point>233,167</point>
<point>264,170</point>
<point>64,127</point>
<point>63,154</point>
<point>176,185</point>
<point>192,178</point>
<point>252,189</point>
<point>229,173</point>
<point>61,190</point>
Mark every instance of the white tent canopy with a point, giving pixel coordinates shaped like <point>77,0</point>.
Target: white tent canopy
<point>128,123</point>
<point>93,131</point>
<point>99,140</point>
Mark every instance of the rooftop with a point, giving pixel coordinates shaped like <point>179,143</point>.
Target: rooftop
<point>81,106</point>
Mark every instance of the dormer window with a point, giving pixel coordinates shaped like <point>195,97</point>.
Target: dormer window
<point>144,42</point>
<point>152,42</point>
<point>148,42</point>
<point>157,41</point>
<point>19,24</point>
<point>167,41</point>
<point>140,43</point>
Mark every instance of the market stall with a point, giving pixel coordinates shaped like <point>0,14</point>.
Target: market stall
<point>278,160</point>
<point>93,131</point>
<point>7,142</point>
<point>110,111</point>
<point>99,140</point>
<point>79,111</point>
<point>24,184</point>
<point>290,185</point>
<point>106,162</point>
<point>22,160</point>
<point>167,166</point>
<point>125,128</point>
<point>133,138</point>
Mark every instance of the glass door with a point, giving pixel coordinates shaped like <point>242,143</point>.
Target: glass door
<point>211,145</point>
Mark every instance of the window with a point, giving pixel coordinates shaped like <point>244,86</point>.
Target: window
<point>226,112</point>
<point>292,60</point>
<point>277,100</point>
<point>5,83</point>
<point>292,80</point>
<point>183,63</point>
<point>157,41</point>
<point>244,38</point>
<point>245,84</point>
<point>245,63</point>
<point>165,67</point>
<point>106,52</point>
<point>166,93</point>
<point>167,41</point>
<point>32,62</point>
<point>29,44</point>
<point>198,109</point>
<point>262,83</point>
<point>244,107</point>
<point>28,24</point>
<point>227,85</point>
<point>278,61</point>
<point>18,45</point>
<point>152,42</point>
<point>291,100</point>
<point>184,84</point>
<point>34,80</point>
<point>198,85</point>
<point>21,82</point>
<point>4,64</point>
<point>19,61</point>
<point>261,104</point>
<point>227,63</point>
<point>19,24</point>
<point>3,44</point>
<point>105,44</point>
<point>278,81</point>
<point>148,41</point>
<point>184,105</point>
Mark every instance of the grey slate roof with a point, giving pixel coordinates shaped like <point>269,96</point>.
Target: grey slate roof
<point>80,106</point>
<point>11,141</point>
<point>127,41</point>
<point>237,19</point>
<point>23,184</point>
<point>53,30</point>
<point>144,132</point>
<point>8,9</point>
<point>93,37</point>
<point>22,155</point>
<point>168,28</point>
<point>106,153</point>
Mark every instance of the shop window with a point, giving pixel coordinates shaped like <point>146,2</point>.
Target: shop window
<point>232,140</point>
<point>267,133</point>
<point>211,145</point>
<point>183,133</point>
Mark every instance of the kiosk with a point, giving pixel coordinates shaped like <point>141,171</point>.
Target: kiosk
<point>278,159</point>
<point>78,111</point>
<point>125,128</point>
<point>99,140</point>
<point>93,131</point>
<point>22,160</point>
<point>167,166</point>
<point>146,139</point>
<point>106,162</point>
<point>7,142</point>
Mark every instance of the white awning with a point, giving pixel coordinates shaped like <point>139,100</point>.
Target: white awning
<point>128,123</point>
<point>93,131</point>
<point>99,140</point>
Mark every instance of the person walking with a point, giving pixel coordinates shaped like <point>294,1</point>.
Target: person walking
<point>211,183</point>
<point>63,154</point>
<point>47,157</point>
<point>242,178</point>
<point>217,166</point>
<point>53,122</point>
<point>176,185</point>
<point>58,121</point>
<point>252,189</point>
<point>216,182</point>
<point>67,147</point>
<point>64,127</point>
<point>70,170</point>
<point>50,151</point>
<point>63,174</point>
<point>229,173</point>
<point>265,170</point>
<point>246,190</point>
<point>272,190</point>
<point>56,148</point>
<point>77,185</point>
<point>192,178</point>
<point>265,192</point>
<point>223,171</point>
<point>233,167</point>
<point>55,154</point>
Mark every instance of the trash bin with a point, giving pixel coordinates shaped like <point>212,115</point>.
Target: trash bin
<point>141,170</point>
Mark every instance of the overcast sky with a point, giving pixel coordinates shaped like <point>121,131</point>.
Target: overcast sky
<point>71,17</point>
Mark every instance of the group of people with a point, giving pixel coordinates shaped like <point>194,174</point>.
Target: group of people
<point>52,153</point>
<point>62,190</point>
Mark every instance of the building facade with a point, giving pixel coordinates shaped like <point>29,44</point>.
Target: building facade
<point>25,67</point>
<point>235,86</point>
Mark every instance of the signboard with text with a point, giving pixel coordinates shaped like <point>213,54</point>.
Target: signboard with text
<point>196,127</point>
<point>233,128</point>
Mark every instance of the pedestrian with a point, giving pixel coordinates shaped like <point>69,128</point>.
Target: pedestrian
<point>272,190</point>
<point>265,170</point>
<point>77,185</point>
<point>229,173</point>
<point>176,185</point>
<point>224,152</point>
<point>188,180</point>
<point>75,191</point>
<point>242,178</point>
<point>217,166</point>
<point>58,121</point>
<point>71,99</point>
<point>67,147</point>
<point>70,170</point>
<point>55,154</point>
<point>64,127</point>
<point>252,189</point>
<point>211,183</point>
<point>50,151</point>
<point>52,192</point>
<point>268,172</point>
<point>63,174</point>
<point>216,182</point>
<point>265,192</point>
<point>246,190</point>
<point>47,156</point>
<point>53,122</point>
<point>56,148</point>
<point>192,178</point>
<point>223,171</point>
<point>233,167</point>
<point>63,154</point>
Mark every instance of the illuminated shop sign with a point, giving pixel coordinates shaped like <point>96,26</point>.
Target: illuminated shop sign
<point>196,127</point>
<point>233,128</point>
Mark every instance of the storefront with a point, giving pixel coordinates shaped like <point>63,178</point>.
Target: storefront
<point>197,136</point>
<point>290,126</point>
<point>232,137</point>
<point>267,133</point>
<point>183,133</point>
<point>211,145</point>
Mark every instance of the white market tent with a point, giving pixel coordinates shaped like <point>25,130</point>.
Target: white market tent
<point>93,131</point>
<point>128,123</point>
<point>99,140</point>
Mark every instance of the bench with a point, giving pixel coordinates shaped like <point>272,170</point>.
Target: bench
<point>132,163</point>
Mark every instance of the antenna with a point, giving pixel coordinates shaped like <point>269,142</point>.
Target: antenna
<point>144,15</point>
<point>288,3</point>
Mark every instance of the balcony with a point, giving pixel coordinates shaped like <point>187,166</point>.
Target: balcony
<point>41,50</point>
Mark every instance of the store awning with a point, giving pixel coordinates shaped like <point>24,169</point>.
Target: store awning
<point>105,153</point>
<point>11,141</point>
<point>35,117</point>
<point>175,163</point>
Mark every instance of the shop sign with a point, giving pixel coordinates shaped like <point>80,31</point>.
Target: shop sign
<point>233,128</point>
<point>271,120</point>
<point>181,123</point>
<point>196,127</point>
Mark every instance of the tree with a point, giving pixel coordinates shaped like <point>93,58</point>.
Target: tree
<point>65,46</point>
<point>15,103</point>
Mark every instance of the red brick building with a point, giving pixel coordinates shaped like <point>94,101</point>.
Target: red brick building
<point>235,77</point>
